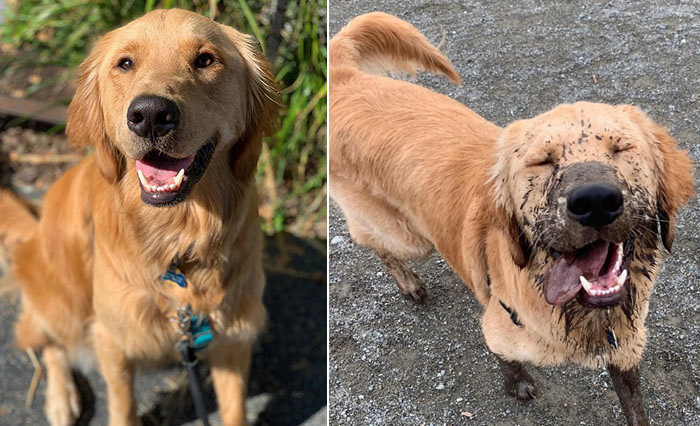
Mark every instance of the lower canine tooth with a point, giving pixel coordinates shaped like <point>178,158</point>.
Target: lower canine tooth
<point>586,284</point>
<point>621,279</point>
<point>142,178</point>
<point>178,178</point>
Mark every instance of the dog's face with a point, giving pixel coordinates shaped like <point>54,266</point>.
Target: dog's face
<point>162,95</point>
<point>582,182</point>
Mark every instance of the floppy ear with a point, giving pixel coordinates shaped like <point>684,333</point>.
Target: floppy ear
<point>516,242</point>
<point>675,174</point>
<point>675,184</point>
<point>501,205</point>
<point>263,101</point>
<point>86,121</point>
<point>502,210</point>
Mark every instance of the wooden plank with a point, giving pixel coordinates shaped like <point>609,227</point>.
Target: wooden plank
<point>38,111</point>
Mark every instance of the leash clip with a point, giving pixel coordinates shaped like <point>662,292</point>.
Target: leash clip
<point>184,321</point>
<point>195,329</point>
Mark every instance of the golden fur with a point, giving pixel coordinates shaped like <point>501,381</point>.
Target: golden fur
<point>414,171</point>
<point>90,272</point>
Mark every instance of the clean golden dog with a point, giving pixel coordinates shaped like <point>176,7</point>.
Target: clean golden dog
<point>555,222</point>
<point>175,106</point>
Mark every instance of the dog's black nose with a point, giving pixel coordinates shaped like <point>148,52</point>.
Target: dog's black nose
<point>152,116</point>
<point>595,204</point>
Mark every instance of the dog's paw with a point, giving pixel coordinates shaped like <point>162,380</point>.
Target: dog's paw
<point>417,296</point>
<point>62,404</point>
<point>523,388</point>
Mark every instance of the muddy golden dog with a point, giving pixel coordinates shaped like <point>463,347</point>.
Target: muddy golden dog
<point>556,222</point>
<point>175,106</point>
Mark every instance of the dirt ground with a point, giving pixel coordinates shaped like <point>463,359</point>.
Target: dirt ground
<point>394,363</point>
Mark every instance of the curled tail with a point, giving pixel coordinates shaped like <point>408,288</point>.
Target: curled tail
<point>378,42</point>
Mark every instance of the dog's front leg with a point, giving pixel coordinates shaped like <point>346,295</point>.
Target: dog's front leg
<point>230,364</point>
<point>516,381</point>
<point>118,373</point>
<point>627,387</point>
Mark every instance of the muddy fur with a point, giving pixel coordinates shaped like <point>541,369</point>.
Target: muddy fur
<point>414,171</point>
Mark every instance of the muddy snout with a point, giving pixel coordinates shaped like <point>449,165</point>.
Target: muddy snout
<point>152,116</point>
<point>595,204</point>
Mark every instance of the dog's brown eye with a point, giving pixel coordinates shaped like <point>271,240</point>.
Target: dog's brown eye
<point>204,60</point>
<point>125,64</point>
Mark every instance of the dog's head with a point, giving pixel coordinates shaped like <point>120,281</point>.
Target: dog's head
<point>164,94</point>
<point>581,182</point>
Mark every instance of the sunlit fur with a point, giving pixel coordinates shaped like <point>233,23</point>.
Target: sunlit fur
<point>91,270</point>
<point>413,171</point>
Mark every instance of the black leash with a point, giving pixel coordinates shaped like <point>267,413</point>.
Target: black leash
<point>190,361</point>
<point>195,335</point>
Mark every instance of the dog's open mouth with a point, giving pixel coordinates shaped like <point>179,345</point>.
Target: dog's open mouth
<point>598,273</point>
<point>165,180</point>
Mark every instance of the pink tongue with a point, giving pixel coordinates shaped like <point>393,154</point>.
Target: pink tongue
<point>562,281</point>
<point>161,169</point>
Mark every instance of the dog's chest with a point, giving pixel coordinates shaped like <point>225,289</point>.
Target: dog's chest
<point>141,310</point>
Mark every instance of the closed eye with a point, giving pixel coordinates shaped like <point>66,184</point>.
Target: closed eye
<point>622,148</point>
<point>541,161</point>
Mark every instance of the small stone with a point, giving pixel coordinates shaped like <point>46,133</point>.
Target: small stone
<point>337,240</point>
<point>361,397</point>
<point>440,386</point>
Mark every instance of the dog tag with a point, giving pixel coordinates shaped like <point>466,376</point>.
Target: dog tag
<point>175,276</point>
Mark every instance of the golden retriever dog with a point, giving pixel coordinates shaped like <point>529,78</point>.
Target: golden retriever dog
<point>556,222</point>
<point>175,106</point>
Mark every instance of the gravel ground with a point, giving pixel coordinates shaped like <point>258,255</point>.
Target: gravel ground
<point>395,363</point>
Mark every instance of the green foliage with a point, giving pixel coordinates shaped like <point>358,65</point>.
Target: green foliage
<point>292,170</point>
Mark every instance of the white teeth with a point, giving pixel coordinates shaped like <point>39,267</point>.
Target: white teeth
<point>178,178</point>
<point>142,178</point>
<point>621,279</point>
<point>586,284</point>
<point>618,261</point>
<point>164,188</point>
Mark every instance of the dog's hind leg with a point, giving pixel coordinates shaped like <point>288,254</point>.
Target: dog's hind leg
<point>410,286</point>
<point>62,398</point>
<point>518,383</point>
<point>626,384</point>
<point>374,223</point>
